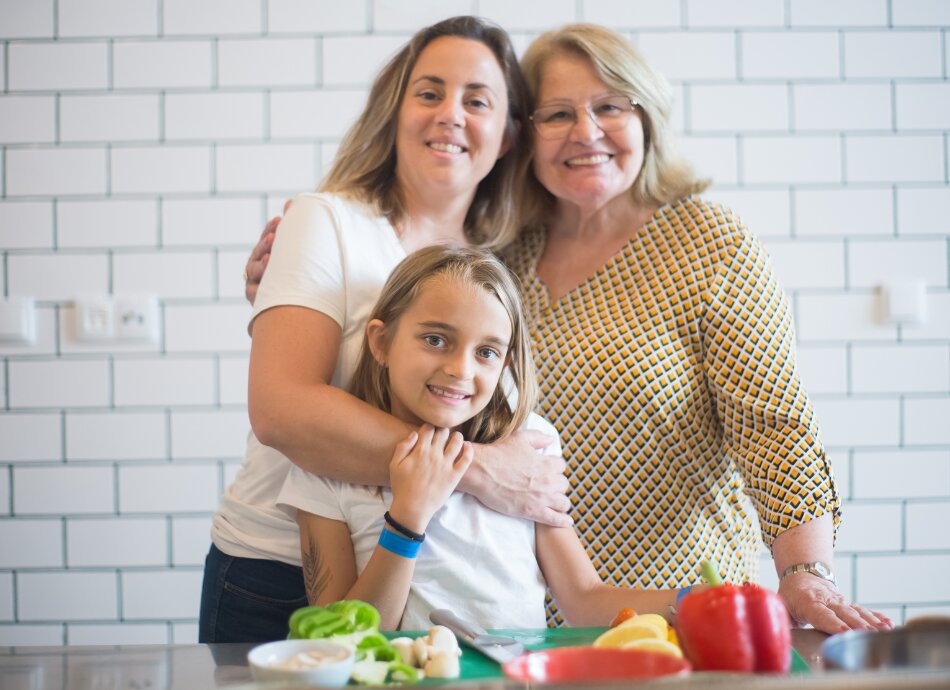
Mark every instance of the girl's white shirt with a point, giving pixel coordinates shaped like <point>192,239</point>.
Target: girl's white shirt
<point>480,563</point>
<point>334,256</point>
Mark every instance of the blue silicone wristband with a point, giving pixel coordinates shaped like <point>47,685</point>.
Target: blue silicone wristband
<point>682,593</point>
<point>398,544</point>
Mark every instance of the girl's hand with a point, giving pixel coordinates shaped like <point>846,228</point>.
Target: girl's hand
<point>425,469</point>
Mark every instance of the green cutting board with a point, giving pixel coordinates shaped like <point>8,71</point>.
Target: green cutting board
<point>475,665</point>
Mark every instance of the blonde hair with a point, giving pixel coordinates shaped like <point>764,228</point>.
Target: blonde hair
<point>476,268</point>
<point>665,176</point>
<point>365,165</point>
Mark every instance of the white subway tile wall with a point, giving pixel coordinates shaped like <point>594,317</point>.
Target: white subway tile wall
<point>145,143</point>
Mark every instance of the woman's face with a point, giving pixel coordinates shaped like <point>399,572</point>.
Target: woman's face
<point>451,126</point>
<point>586,167</point>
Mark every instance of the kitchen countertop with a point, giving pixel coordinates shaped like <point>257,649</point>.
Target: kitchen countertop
<point>203,667</point>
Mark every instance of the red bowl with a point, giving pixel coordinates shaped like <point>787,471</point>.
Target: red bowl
<point>567,664</point>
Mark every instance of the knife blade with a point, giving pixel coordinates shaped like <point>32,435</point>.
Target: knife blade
<point>500,648</point>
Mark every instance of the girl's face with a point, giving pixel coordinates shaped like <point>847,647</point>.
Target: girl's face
<point>587,167</point>
<point>451,126</point>
<point>445,354</point>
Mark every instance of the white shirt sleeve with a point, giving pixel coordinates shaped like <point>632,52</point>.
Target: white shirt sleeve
<point>310,493</point>
<point>306,267</point>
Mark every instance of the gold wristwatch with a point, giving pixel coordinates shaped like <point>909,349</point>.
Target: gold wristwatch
<point>818,569</point>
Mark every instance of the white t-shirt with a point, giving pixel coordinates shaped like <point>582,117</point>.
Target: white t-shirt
<point>481,564</point>
<point>334,256</point>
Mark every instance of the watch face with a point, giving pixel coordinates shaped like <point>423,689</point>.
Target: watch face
<point>825,572</point>
<point>818,569</point>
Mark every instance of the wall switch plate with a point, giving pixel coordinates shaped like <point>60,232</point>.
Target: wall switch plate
<point>905,301</point>
<point>18,320</point>
<point>102,318</point>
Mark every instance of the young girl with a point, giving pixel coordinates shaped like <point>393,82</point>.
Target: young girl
<point>447,326</point>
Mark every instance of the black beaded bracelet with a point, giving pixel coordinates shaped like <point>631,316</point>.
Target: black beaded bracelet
<point>402,529</point>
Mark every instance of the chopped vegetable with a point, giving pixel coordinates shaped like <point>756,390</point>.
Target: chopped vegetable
<point>622,615</point>
<point>734,628</point>
<point>355,624</point>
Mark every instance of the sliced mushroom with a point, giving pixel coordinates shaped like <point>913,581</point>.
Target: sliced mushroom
<point>420,646</point>
<point>443,639</point>
<point>406,649</point>
<point>443,664</point>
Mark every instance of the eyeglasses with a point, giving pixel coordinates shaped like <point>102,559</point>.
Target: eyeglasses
<point>609,114</point>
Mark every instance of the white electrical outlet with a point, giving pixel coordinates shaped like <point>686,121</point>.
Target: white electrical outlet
<point>136,317</point>
<point>121,317</point>
<point>95,320</point>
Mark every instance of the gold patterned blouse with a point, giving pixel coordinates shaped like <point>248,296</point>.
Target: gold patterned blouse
<point>670,375</point>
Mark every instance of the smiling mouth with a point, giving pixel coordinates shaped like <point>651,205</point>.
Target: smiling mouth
<point>445,147</point>
<point>596,159</point>
<point>445,393</point>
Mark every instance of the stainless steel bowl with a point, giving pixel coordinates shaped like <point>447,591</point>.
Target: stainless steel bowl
<point>903,648</point>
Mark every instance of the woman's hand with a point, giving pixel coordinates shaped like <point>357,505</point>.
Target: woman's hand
<point>512,477</point>
<point>812,600</point>
<point>260,255</point>
<point>257,261</point>
<point>425,469</point>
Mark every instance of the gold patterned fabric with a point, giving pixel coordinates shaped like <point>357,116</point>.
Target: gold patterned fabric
<point>670,375</point>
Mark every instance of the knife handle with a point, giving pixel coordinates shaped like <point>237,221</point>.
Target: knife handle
<point>462,628</point>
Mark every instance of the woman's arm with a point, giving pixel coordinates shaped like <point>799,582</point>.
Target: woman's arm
<point>293,407</point>
<point>582,597</point>
<point>325,430</point>
<point>771,430</point>
<point>809,598</point>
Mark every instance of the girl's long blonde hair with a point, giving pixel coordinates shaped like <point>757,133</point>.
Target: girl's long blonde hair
<point>476,268</point>
<point>365,165</point>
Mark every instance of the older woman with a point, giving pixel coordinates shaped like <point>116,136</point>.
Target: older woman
<point>664,345</point>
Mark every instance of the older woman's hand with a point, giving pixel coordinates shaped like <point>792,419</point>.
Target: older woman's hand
<point>512,477</point>
<point>257,261</point>
<point>812,600</point>
<point>260,255</point>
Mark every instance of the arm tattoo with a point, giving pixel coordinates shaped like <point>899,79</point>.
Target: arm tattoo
<point>315,575</point>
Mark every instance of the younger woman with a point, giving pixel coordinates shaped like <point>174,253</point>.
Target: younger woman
<point>447,326</point>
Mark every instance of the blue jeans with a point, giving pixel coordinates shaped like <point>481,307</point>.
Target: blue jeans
<point>247,599</point>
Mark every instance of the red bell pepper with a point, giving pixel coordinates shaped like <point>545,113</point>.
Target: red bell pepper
<point>734,628</point>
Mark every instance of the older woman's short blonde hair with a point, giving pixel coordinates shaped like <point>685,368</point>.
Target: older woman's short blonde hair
<point>666,176</point>
<point>365,165</point>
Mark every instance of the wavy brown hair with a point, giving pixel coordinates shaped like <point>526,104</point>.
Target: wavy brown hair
<point>476,268</point>
<point>365,165</point>
<point>666,176</point>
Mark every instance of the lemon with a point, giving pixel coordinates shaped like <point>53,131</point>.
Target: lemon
<point>622,634</point>
<point>654,645</point>
<point>652,620</point>
<point>671,636</point>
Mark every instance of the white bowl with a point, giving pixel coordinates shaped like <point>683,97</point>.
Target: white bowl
<point>267,662</point>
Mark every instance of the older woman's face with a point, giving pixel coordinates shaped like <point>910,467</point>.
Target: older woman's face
<point>587,167</point>
<point>451,124</point>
